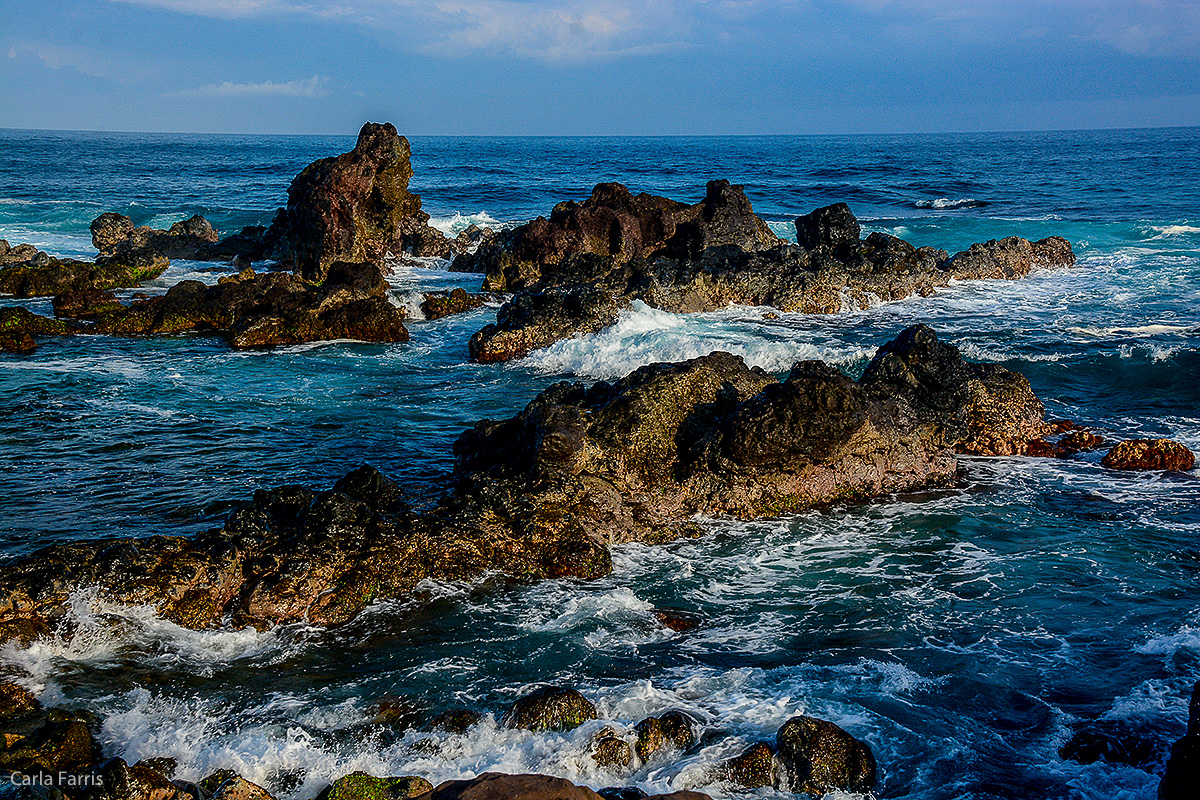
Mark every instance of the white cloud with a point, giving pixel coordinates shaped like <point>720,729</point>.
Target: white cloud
<point>313,87</point>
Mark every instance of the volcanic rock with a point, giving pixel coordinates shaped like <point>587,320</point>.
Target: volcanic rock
<point>753,769</point>
<point>361,786</point>
<point>116,237</point>
<point>272,309</point>
<point>573,273</point>
<point>1150,454</point>
<point>819,757</point>
<point>552,708</point>
<point>25,271</point>
<point>355,207</point>
<point>443,304</point>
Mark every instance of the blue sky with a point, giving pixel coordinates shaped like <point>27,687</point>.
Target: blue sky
<point>598,66</point>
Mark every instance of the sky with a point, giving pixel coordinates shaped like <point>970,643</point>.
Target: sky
<point>598,67</point>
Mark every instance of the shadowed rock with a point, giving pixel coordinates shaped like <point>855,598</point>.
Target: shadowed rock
<point>361,786</point>
<point>753,769</point>
<point>1182,775</point>
<point>573,273</point>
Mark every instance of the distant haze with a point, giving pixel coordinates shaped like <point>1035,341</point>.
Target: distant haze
<point>599,66</point>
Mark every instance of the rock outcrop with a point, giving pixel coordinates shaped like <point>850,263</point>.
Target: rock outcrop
<point>819,757</point>
<point>500,786</point>
<point>26,271</point>
<point>456,301</point>
<point>18,326</point>
<point>550,708</point>
<point>1150,454</point>
<point>547,492</point>
<point>251,310</point>
<point>116,237</point>
<point>355,207</point>
<point>573,272</point>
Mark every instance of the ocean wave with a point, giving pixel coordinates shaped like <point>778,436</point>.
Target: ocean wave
<point>1174,230</point>
<point>1152,329</point>
<point>454,225</point>
<point>945,203</point>
<point>644,335</point>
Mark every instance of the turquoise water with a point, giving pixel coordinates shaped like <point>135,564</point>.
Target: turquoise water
<point>963,635</point>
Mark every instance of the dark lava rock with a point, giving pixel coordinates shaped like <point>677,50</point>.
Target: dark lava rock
<point>90,303</point>
<point>753,769</point>
<point>1182,775</point>
<point>116,237</point>
<point>119,781</point>
<point>1116,742</point>
<point>457,301</point>
<point>27,272</point>
<point>673,730</point>
<point>819,757</point>
<point>677,619</point>
<point>250,244</point>
<point>361,786</point>
<point>548,491</point>
<point>552,708</point>
<point>1150,454</point>
<point>615,248</point>
<point>355,207</point>
<point>276,308</point>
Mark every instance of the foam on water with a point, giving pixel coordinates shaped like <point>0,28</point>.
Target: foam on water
<point>644,335</point>
<point>456,224</point>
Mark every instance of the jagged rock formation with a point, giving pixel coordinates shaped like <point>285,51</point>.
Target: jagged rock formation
<point>1150,454</point>
<point>547,492</point>
<point>574,271</point>
<point>355,207</point>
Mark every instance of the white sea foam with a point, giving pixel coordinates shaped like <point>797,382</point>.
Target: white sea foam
<point>947,203</point>
<point>1174,230</point>
<point>644,335</point>
<point>1153,329</point>
<point>452,226</point>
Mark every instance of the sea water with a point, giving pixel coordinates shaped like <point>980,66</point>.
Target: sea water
<point>963,634</point>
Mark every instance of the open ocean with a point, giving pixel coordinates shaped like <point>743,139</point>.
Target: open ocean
<point>963,635</point>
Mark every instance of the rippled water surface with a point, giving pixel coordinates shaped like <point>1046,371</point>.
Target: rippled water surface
<point>964,635</point>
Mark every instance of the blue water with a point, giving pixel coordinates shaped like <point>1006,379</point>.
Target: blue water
<point>963,635</point>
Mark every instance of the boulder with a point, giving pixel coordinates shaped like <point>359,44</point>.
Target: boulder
<point>753,769</point>
<point>550,708</point>
<point>610,751</point>
<point>250,244</point>
<point>673,730</point>
<point>361,786</point>
<point>89,303</point>
<point>819,757</point>
<point>52,741</point>
<point>355,207</point>
<point>573,272</point>
<point>119,781</point>
<point>1182,774</point>
<point>238,788</point>
<point>1150,454</point>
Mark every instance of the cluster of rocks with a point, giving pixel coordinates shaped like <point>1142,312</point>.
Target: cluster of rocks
<point>574,272</point>
<point>808,755</point>
<point>547,492</point>
<point>26,271</point>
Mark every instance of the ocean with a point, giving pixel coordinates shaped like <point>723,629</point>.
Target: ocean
<point>964,634</point>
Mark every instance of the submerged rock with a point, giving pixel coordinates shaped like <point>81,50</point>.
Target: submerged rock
<point>673,730</point>
<point>1150,454</point>
<point>610,751</point>
<point>548,491</point>
<point>355,207</point>
<point>573,272</point>
<point>550,708</point>
<point>819,757</point>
